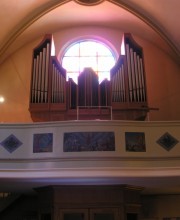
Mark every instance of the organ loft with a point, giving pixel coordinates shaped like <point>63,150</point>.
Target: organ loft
<point>123,97</point>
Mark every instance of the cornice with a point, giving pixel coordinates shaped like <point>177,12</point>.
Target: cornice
<point>105,172</point>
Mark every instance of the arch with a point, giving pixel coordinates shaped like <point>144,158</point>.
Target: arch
<point>27,22</point>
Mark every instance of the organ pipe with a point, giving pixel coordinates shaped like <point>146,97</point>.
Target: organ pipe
<point>46,72</point>
<point>43,74</point>
<point>142,79</point>
<point>33,92</point>
<point>37,76</point>
<point>129,73</point>
<point>133,75</point>
<point>48,77</point>
<point>139,78</point>
<point>136,77</point>
<point>128,82</point>
<point>123,84</point>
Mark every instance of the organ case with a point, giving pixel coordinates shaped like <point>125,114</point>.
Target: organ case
<point>124,97</point>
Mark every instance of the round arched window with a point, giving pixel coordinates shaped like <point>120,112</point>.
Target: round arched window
<point>88,53</point>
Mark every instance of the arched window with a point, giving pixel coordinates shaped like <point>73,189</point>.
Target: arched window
<point>88,53</point>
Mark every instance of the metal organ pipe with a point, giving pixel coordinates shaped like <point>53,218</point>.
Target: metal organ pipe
<point>129,74</point>
<point>62,88</point>
<point>52,89</point>
<point>46,73</point>
<point>123,84</point>
<point>58,82</point>
<point>142,77</point>
<point>113,96</point>
<point>33,91</point>
<point>118,84</point>
<point>122,87</point>
<point>57,85</point>
<point>59,88</point>
<point>37,78</point>
<point>115,88</point>
<point>136,76</point>
<point>133,75</point>
<point>40,76</point>
<point>43,74</point>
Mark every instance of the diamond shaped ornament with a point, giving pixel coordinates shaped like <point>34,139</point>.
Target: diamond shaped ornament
<point>11,143</point>
<point>167,141</point>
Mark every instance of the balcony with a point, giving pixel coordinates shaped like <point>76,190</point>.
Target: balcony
<point>90,152</point>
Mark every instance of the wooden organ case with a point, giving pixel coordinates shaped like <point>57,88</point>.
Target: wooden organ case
<point>124,97</point>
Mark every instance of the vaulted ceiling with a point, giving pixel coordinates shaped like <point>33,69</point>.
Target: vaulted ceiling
<point>23,21</point>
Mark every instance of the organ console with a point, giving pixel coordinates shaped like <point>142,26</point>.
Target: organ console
<point>122,98</point>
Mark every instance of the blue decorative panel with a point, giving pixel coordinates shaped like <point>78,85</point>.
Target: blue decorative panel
<point>89,141</point>
<point>42,142</point>
<point>135,141</point>
<point>11,143</point>
<point>167,141</point>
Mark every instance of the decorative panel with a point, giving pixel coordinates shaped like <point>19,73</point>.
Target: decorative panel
<point>89,141</point>
<point>167,141</point>
<point>42,142</point>
<point>11,143</point>
<point>135,141</point>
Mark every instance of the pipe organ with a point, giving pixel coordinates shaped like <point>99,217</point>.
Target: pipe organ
<point>129,99</point>
<point>136,74</point>
<point>48,83</point>
<point>39,91</point>
<point>123,97</point>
